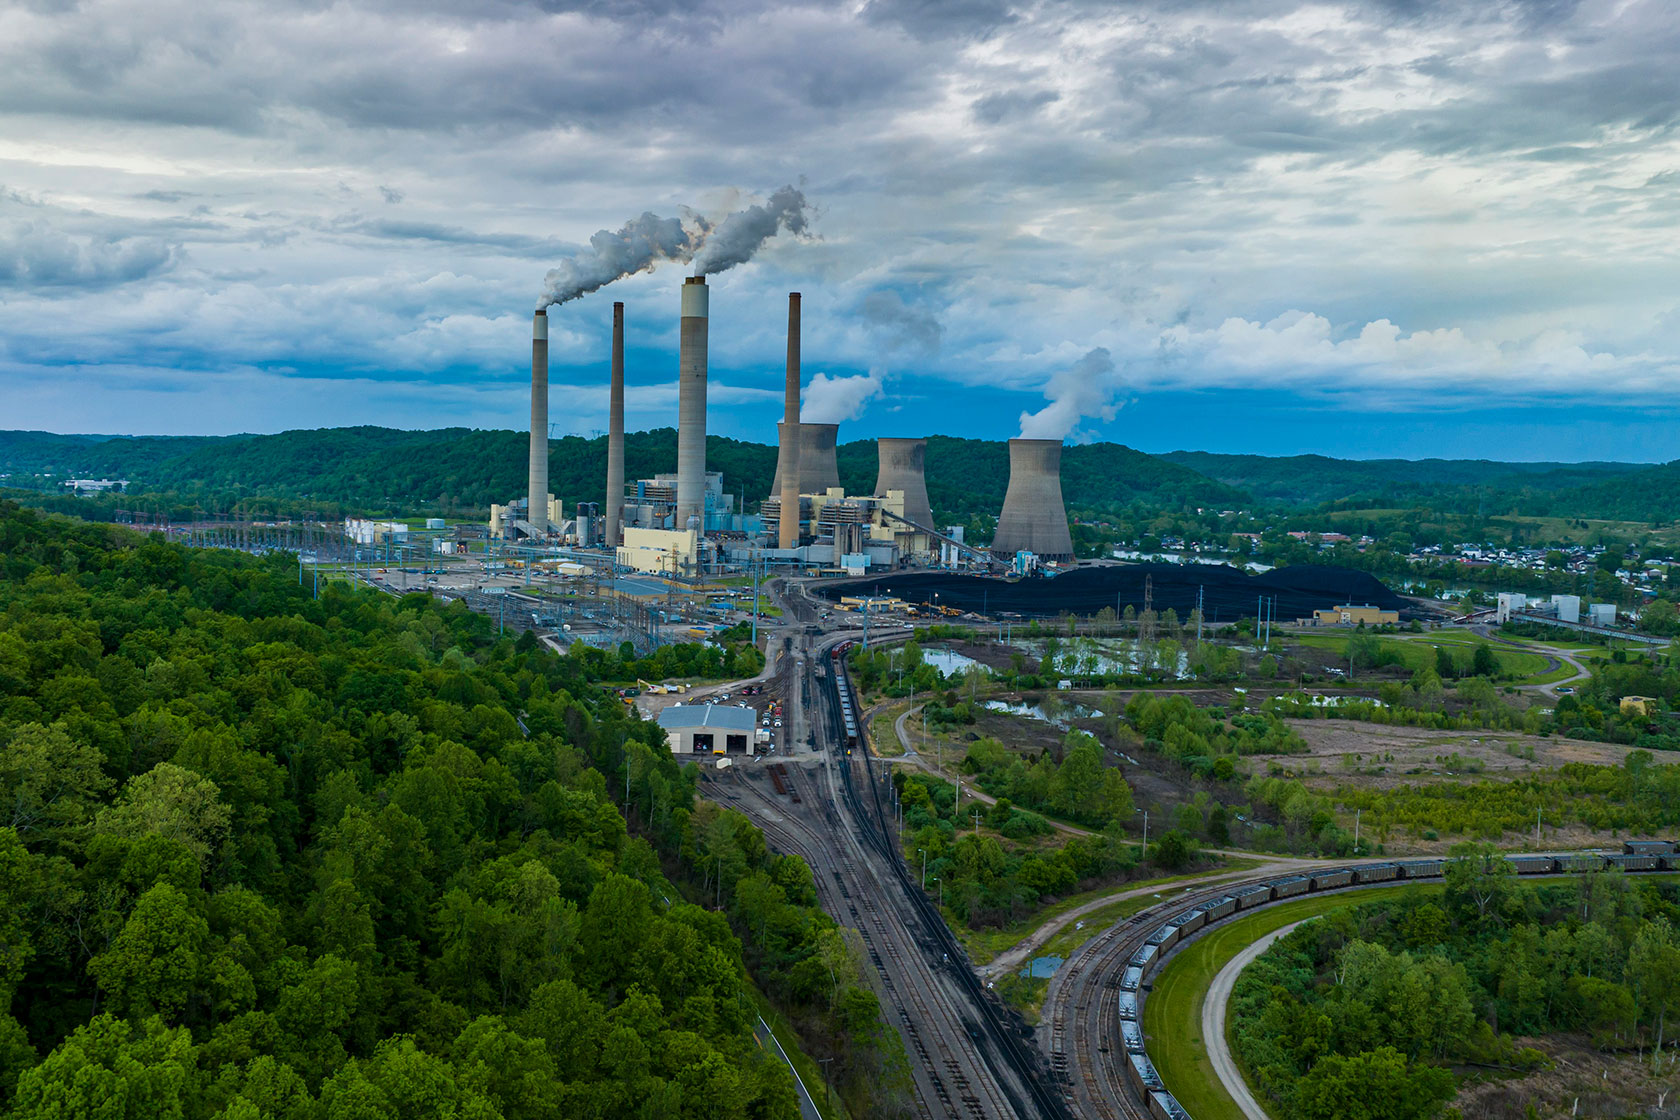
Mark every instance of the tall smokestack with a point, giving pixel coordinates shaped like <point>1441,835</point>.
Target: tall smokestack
<point>691,404</point>
<point>615,432</point>
<point>1034,519</point>
<point>537,512</point>
<point>789,534</point>
<point>901,469</point>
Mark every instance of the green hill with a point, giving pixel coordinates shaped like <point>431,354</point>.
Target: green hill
<point>1457,484</point>
<point>461,470</point>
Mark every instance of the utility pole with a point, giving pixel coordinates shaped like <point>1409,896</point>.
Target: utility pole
<point>924,867</point>
<point>1537,828</point>
<point>1356,813</point>
<point>1199,615</point>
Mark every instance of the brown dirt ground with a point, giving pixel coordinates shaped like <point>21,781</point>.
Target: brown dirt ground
<point>1386,756</point>
<point>1581,1083</point>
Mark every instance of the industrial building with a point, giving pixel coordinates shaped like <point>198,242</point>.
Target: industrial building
<point>673,552</point>
<point>807,520</point>
<point>1349,614</point>
<point>708,729</point>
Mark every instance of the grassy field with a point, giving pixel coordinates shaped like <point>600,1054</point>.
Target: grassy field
<point>1172,1015</point>
<point>1418,652</point>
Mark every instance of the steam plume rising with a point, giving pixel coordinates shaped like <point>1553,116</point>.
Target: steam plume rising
<point>741,234</point>
<point>639,245</point>
<point>1087,388</point>
<point>834,400</point>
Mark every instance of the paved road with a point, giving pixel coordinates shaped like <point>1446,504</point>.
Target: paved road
<point>767,1039</point>
<point>1213,1024</point>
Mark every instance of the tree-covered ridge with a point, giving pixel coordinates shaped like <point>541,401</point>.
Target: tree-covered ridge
<point>1448,484</point>
<point>462,471</point>
<point>1357,1014</point>
<point>263,856</point>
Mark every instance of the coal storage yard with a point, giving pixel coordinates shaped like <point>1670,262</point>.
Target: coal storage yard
<point>1227,593</point>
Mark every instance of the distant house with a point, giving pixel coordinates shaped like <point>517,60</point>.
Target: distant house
<point>1638,705</point>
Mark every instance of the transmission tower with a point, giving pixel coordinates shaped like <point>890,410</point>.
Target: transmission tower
<point>1146,620</point>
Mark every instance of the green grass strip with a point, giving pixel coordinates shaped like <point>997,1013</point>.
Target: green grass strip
<point>1172,1013</point>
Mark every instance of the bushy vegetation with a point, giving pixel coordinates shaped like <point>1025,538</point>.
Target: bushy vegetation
<point>1071,783</point>
<point>264,856</point>
<point>1358,1013</point>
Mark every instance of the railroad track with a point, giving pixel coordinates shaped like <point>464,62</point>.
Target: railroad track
<point>897,979</point>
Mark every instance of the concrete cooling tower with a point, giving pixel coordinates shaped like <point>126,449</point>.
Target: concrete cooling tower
<point>817,469</point>
<point>901,469</point>
<point>1034,519</point>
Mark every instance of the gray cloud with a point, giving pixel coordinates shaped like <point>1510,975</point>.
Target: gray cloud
<point>34,255</point>
<point>366,187</point>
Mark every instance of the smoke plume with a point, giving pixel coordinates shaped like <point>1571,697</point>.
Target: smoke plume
<point>834,400</point>
<point>642,243</point>
<point>645,241</point>
<point>741,234</point>
<point>1086,389</point>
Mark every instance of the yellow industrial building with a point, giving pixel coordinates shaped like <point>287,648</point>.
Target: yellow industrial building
<point>1351,615</point>
<point>660,551</point>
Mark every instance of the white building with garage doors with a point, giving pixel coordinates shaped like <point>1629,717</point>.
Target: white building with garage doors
<point>708,729</point>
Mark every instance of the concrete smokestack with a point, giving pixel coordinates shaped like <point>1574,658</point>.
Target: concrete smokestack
<point>537,495</point>
<point>615,432</point>
<point>901,469</point>
<point>1034,519</point>
<point>788,464</point>
<point>817,469</point>
<point>691,403</point>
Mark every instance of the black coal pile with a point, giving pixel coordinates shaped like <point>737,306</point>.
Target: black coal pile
<point>1227,593</point>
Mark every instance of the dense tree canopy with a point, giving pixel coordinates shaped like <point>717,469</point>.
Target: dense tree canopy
<point>264,856</point>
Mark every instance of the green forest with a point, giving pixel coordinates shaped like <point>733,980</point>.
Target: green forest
<point>357,858</point>
<point>1359,1014</point>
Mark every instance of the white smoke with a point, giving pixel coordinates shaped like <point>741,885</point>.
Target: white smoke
<point>642,243</point>
<point>1086,389</point>
<point>735,239</point>
<point>645,241</point>
<point>834,400</point>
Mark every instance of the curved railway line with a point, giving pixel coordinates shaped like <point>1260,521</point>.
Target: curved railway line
<point>968,1059</point>
<point>1094,1004</point>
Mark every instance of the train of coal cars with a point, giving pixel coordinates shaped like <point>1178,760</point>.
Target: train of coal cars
<point>1636,855</point>
<point>848,709</point>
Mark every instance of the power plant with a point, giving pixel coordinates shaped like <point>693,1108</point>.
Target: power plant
<point>685,523</point>
<point>1034,519</point>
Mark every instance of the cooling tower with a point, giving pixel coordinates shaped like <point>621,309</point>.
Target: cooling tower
<point>691,404</point>
<point>787,463</point>
<point>615,431</point>
<point>901,469</point>
<point>537,512</point>
<point>1034,519</point>
<point>817,470</point>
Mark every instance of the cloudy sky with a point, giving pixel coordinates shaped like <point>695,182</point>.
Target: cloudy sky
<point>1389,227</point>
